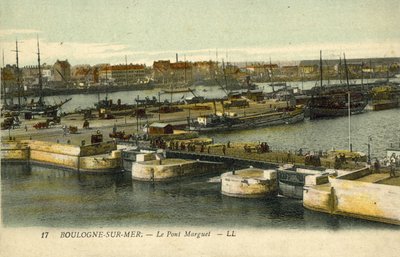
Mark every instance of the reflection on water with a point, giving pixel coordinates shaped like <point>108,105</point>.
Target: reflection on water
<point>39,196</point>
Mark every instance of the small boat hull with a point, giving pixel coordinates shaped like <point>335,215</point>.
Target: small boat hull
<point>254,121</point>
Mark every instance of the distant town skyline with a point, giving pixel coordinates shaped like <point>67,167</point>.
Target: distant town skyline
<point>92,32</point>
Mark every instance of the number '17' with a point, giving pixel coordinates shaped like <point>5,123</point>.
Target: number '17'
<point>45,234</point>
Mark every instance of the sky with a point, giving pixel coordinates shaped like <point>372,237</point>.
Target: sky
<point>91,32</point>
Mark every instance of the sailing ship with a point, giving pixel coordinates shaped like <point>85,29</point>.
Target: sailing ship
<point>335,101</point>
<point>335,104</point>
<point>40,107</point>
<point>33,108</point>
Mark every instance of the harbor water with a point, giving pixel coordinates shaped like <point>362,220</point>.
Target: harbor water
<point>47,197</point>
<point>42,196</point>
<point>379,129</point>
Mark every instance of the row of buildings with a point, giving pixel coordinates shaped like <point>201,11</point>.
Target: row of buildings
<point>61,73</point>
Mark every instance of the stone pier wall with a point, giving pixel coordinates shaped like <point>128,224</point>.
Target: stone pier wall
<point>64,155</point>
<point>97,164</point>
<point>14,151</point>
<point>170,169</point>
<point>100,148</point>
<point>240,185</point>
<point>366,200</point>
<point>64,160</point>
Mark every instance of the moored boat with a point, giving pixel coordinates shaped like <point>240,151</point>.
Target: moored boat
<point>336,105</point>
<point>177,90</point>
<point>336,101</point>
<point>384,97</point>
<point>212,123</point>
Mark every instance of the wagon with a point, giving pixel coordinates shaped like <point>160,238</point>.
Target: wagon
<point>73,129</point>
<point>96,138</point>
<point>120,135</point>
<point>41,125</point>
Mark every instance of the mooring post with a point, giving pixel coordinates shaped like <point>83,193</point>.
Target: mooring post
<point>79,163</point>
<point>28,155</point>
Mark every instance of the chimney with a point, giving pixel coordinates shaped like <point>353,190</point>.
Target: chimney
<point>176,57</point>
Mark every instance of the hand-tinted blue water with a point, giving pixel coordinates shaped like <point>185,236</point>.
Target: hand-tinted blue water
<point>383,127</point>
<point>39,196</point>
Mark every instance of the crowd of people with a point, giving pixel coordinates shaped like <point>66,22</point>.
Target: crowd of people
<point>391,162</point>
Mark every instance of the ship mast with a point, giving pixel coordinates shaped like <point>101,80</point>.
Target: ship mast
<point>362,75</point>
<point>1,74</point>
<point>18,78</point>
<point>224,70</point>
<point>348,101</point>
<point>340,70</point>
<point>107,81</point>
<point>126,70</point>
<point>271,75</point>
<point>320,66</point>
<point>40,102</point>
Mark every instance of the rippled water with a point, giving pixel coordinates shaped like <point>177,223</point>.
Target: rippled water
<point>312,135</point>
<point>39,196</point>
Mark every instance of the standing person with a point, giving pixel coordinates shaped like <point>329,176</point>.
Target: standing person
<point>224,149</point>
<point>392,172</point>
<point>377,166</point>
<point>392,162</point>
<point>65,130</point>
<point>337,163</point>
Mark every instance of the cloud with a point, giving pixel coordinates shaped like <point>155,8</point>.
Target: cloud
<point>114,53</point>
<point>75,52</point>
<point>10,32</point>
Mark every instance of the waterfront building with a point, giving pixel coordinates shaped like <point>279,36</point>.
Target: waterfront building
<point>161,71</point>
<point>81,73</point>
<point>181,72</point>
<point>9,78</point>
<point>123,74</point>
<point>9,73</point>
<point>30,75</point>
<point>233,71</point>
<point>102,73</point>
<point>204,70</point>
<point>159,128</point>
<point>355,66</point>
<point>261,71</point>
<point>61,71</point>
<point>290,70</point>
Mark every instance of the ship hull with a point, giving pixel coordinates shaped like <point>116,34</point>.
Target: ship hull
<point>330,112</point>
<point>384,106</point>
<point>255,121</point>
